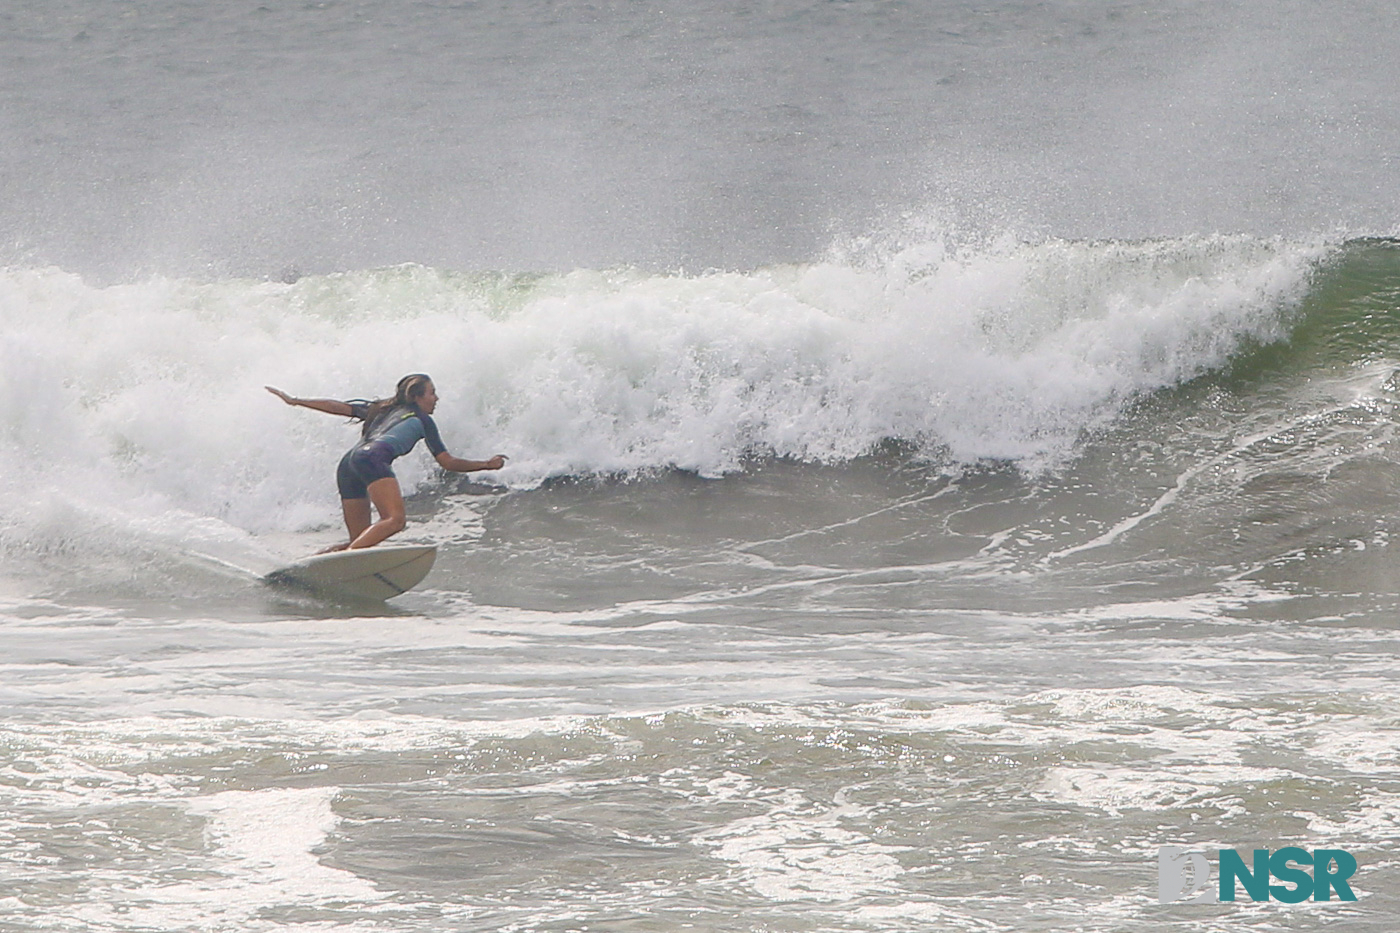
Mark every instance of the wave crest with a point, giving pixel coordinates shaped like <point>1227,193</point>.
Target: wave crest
<point>1012,351</point>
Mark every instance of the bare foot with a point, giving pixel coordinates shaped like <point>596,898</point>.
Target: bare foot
<point>334,547</point>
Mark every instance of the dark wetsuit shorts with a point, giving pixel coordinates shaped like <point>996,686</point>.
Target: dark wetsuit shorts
<point>361,466</point>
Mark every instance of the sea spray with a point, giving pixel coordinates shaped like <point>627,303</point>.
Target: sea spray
<point>147,397</point>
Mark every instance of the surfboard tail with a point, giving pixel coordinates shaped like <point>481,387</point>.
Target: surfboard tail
<point>376,573</point>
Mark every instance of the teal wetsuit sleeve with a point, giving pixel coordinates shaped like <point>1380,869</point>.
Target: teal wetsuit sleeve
<point>431,436</point>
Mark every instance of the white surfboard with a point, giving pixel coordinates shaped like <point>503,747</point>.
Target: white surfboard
<point>367,573</point>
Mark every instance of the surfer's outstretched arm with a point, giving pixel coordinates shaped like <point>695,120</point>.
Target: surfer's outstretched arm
<point>458,465</point>
<point>328,405</point>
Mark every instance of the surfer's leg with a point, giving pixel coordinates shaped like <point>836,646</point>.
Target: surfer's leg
<point>357,519</point>
<point>388,502</point>
<point>354,499</point>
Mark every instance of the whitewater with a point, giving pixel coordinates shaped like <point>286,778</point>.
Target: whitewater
<point>952,457</point>
<point>1008,354</point>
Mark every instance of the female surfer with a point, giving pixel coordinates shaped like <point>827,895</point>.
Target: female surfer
<point>392,427</point>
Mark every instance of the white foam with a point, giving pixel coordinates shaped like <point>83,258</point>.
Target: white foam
<point>1160,787</point>
<point>1376,817</point>
<point>259,858</point>
<point>145,400</point>
<point>269,834</point>
<point>802,850</point>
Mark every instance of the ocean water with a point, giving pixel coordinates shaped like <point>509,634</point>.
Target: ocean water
<point>953,457</point>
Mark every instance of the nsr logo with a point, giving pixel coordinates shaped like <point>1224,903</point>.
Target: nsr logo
<point>1183,875</point>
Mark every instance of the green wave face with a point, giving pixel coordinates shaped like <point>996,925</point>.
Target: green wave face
<point>1350,315</point>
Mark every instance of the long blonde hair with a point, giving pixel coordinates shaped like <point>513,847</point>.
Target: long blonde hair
<point>407,392</point>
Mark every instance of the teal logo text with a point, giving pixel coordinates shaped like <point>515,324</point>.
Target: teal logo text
<point>1183,876</point>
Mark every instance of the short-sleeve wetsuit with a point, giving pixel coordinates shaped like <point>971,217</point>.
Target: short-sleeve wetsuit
<point>391,435</point>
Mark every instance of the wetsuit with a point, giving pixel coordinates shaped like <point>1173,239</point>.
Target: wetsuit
<point>391,435</point>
